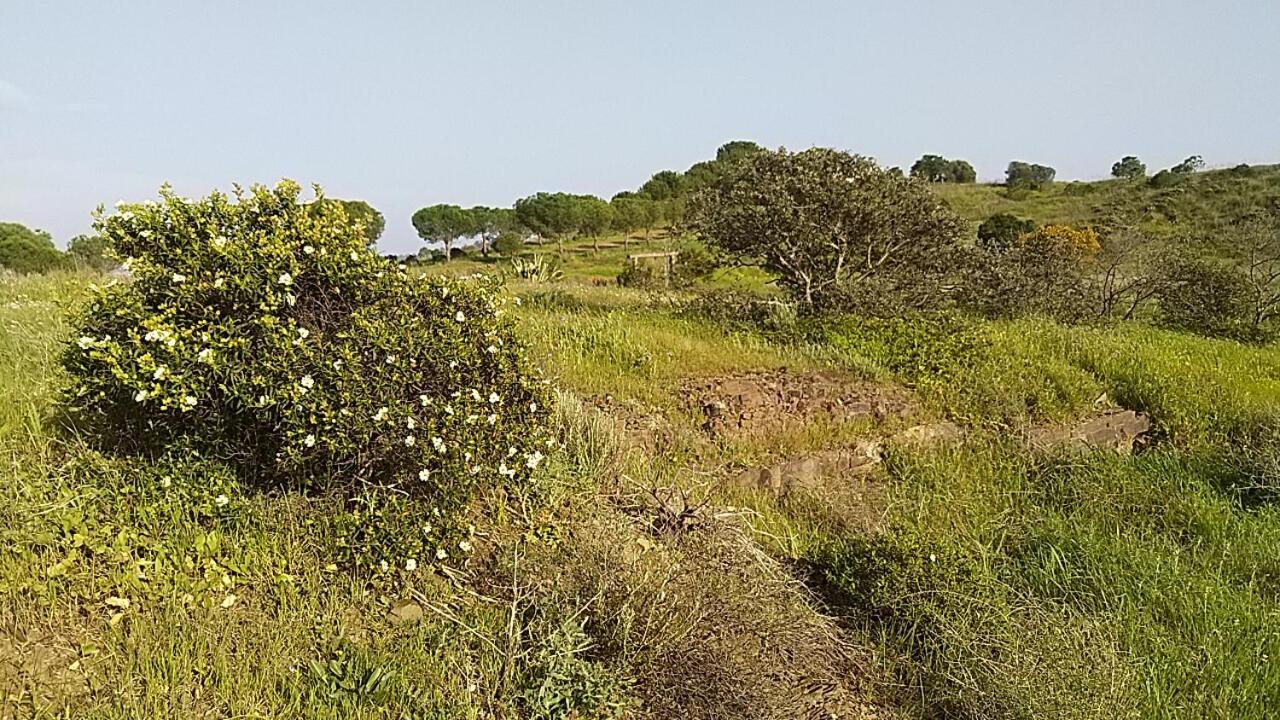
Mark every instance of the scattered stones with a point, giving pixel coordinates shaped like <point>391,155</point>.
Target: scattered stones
<point>1116,430</point>
<point>404,611</point>
<point>761,402</point>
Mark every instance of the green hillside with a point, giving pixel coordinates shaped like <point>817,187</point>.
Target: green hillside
<point>1196,200</point>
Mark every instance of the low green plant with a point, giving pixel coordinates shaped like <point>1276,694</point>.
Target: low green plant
<point>536,268</point>
<point>564,683</point>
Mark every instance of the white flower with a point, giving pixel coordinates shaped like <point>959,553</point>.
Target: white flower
<point>218,282</point>
<point>444,291</point>
<point>409,423</point>
<point>179,278</point>
<point>337,364</point>
<point>310,441</point>
<point>517,301</point>
<point>533,407</point>
<point>438,443</point>
<point>492,349</point>
<point>303,332</point>
<point>285,279</point>
<point>166,481</point>
<point>189,401</point>
<point>453,364</point>
<point>219,241</point>
<point>306,382</point>
<point>160,373</point>
<point>504,470</point>
<point>308,249</point>
<point>289,298</point>
<point>221,500</point>
<point>534,458</point>
<point>493,397</point>
<point>204,355</point>
<point>493,419</point>
<point>410,565</point>
<point>409,441</point>
<point>391,359</point>
<point>460,317</point>
<point>441,554</point>
<point>228,601</point>
<point>86,342</point>
<point>424,475</point>
<point>464,546</point>
<point>140,396</point>
<point>383,566</point>
<point>475,395</point>
<point>380,415</point>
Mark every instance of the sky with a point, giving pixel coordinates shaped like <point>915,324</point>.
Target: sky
<point>406,104</point>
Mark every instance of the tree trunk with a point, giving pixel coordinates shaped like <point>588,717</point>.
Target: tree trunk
<point>448,251</point>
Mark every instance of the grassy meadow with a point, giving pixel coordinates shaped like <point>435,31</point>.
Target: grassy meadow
<point>633,580</point>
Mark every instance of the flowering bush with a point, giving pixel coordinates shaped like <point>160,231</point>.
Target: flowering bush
<point>262,331</point>
<point>1083,241</point>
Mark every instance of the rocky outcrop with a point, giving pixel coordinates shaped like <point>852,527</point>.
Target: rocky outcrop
<point>812,471</point>
<point>1116,430</point>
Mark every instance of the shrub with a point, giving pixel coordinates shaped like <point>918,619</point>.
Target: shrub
<point>1000,231</point>
<point>743,309</point>
<point>27,251</point>
<point>1048,280</point>
<point>264,333</point>
<point>692,264</point>
<point>824,221</point>
<point>1081,241</point>
<point>509,243</point>
<point>1205,297</point>
<point>1164,179</point>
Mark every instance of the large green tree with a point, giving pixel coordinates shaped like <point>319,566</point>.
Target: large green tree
<point>443,224</point>
<point>27,251</point>
<point>826,221</point>
<point>935,168</point>
<point>90,251</point>
<point>1128,167</point>
<point>554,216</point>
<point>664,185</point>
<point>1028,176</point>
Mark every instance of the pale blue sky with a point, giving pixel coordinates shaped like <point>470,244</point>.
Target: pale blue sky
<point>410,103</point>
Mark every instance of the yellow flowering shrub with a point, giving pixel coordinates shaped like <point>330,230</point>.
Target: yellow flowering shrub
<point>1062,237</point>
<point>261,331</point>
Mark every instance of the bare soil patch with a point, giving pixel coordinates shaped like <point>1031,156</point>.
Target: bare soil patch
<point>762,402</point>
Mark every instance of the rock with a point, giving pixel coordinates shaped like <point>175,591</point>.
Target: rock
<point>404,611</point>
<point>930,435</point>
<point>1115,430</point>
<point>812,471</point>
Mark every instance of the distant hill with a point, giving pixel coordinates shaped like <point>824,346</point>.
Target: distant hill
<point>1196,201</point>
